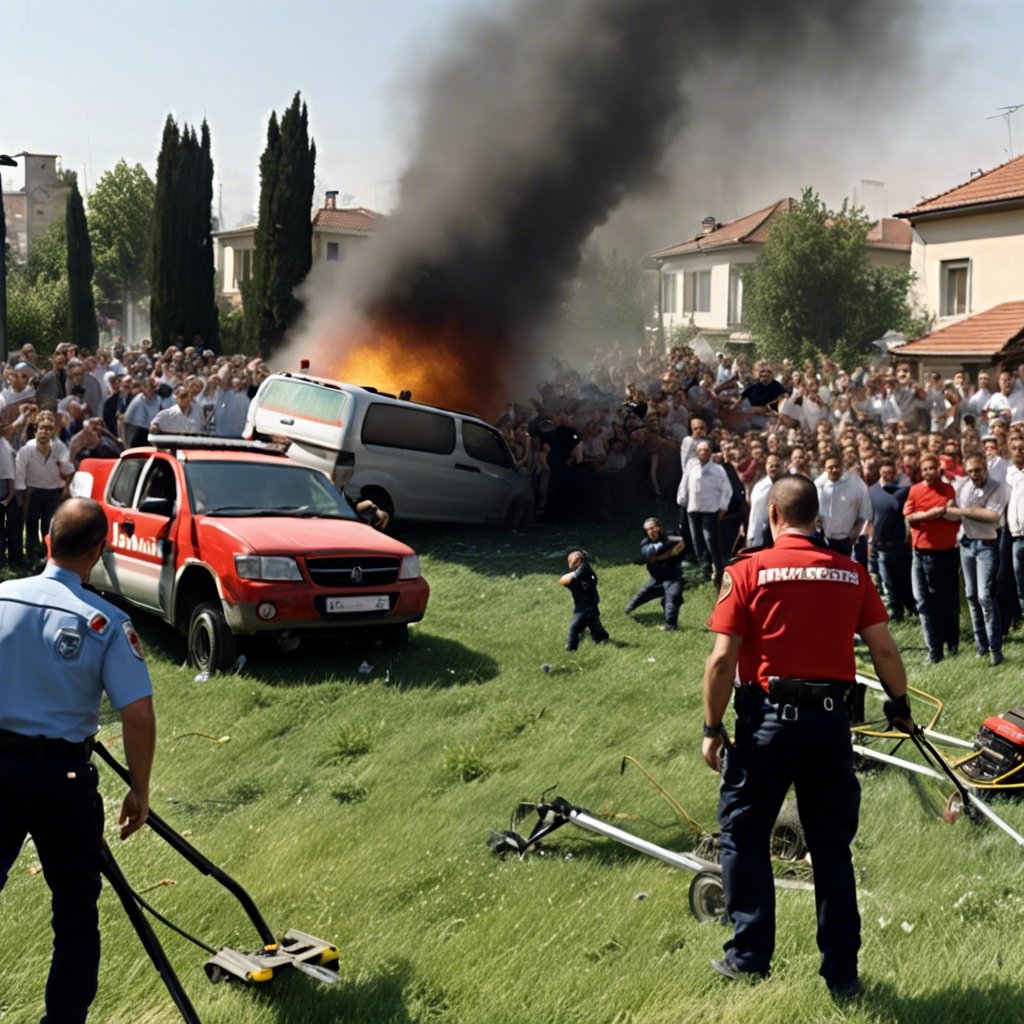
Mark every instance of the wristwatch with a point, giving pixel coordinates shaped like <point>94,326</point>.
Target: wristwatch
<point>713,730</point>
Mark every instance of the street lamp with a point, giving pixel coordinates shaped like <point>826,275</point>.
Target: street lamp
<point>5,161</point>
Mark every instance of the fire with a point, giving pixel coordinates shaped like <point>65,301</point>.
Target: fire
<point>446,366</point>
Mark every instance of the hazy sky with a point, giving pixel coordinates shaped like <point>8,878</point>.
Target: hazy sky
<point>94,81</point>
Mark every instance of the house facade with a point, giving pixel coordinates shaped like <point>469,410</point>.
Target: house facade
<point>702,278</point>
<point>30,210</point>
<point>968,255</point>
<point>335,233</point>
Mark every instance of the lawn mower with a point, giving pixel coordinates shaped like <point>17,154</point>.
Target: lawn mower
<point>993,762</point>
<point>316,958</point>
<point>706,896</point>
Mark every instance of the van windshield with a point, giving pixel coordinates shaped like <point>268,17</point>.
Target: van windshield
<point>238,488</point>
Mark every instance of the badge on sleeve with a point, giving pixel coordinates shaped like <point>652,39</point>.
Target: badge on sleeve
<point>98,623</point>
<point>68,642</point>
<point>726,586</point>
<point>133,638</point>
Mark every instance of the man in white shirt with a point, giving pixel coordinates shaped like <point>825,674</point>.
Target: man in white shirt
<point>758,532</point>
<point>184,417</point>
<point>708,493</point>
<point>41,470</point>
<point>844,506</point>
<point>140,412</point>
<point>1009,401</point>
<point>997,465</point>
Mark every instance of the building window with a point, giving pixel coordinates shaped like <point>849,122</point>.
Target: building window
<point>669,293</point>
<point>697,291</point>
<point>242,267</point>
<point>735,296</point>
<point>955,287</point>
<point>333,251</point>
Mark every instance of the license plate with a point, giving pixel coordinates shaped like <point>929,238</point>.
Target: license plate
<point>362,603</point>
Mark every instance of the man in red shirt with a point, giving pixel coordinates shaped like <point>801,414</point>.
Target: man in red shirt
<point>935,570</point>
<point>785,620</point>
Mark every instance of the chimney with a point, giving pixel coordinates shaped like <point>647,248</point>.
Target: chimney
<point>707,225</point>
<point>330,203</point>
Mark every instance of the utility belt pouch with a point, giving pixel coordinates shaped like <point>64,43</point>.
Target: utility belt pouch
<point>853,702</point>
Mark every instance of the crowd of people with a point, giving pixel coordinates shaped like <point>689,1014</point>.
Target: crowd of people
<point>81,404</point>
<point>920,481</point>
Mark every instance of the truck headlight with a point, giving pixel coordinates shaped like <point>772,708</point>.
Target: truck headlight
<point>266,567</point>
<point>410,569</point>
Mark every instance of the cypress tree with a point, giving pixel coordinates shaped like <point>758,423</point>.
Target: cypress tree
<point>82,305</point>
<point>182,278</point>
<point>284,236</point>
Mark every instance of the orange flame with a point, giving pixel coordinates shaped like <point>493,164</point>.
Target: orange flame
<point>446,366</point>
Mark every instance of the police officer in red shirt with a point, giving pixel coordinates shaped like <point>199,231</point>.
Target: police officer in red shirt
<point>785,621</point>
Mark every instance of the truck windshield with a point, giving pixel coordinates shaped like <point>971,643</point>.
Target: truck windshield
<point>236,488</point>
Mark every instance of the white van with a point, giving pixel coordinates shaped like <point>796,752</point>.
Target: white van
<point>414,461</point>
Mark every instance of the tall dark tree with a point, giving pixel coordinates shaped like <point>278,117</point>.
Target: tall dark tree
<point>284,234</point>
<point>82,304</point>
<point>181,273</point>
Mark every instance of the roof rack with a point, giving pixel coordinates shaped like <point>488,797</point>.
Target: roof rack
<point>197,442</point>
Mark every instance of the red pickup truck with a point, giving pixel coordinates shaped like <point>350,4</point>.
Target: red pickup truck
<point>232,539</point>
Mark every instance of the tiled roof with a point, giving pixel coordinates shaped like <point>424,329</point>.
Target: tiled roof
<point>354,219</point>
<point>887,233</point>
<point>984,334</point>
<point>1005,182</point>
<point>751,228</point>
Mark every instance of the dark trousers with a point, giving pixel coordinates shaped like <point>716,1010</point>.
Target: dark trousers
<point>936,580</point>
<point>814,755</point>
<point>40,506</point>
<point>582,620</point>
<point>670,592</point>
<point>728,530</point>
<point>55,801</point>
<point>894,569</point>
<point>704,530</point>
<point>1006,582</point>
<point>840,545</point>
<point>11,526</point>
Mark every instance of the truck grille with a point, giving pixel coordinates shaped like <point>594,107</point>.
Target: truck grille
<point>337,573</point>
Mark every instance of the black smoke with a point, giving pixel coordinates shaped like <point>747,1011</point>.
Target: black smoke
<point>542,120</point>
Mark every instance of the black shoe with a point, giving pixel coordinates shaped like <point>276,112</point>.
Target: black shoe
<point>954,650</point>
<point>729,970</point>
<point>845,991</point>
<point>670,627</point>
<point>933,659</point>
<point>997,658</point>
<point>629,609</point>
<point>983,654</point>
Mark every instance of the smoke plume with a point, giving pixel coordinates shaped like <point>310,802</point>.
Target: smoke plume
<point>534,129</point>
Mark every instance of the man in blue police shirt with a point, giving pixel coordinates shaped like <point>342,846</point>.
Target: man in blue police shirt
<point>664,558</point>
<point>62,648</point>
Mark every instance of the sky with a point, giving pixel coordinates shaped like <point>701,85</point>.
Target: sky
<point>94,82</point>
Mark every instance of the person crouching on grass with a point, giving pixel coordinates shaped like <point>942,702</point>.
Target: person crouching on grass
<point>582,583</point>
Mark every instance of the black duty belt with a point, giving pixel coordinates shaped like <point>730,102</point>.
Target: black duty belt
<point>44,746</point>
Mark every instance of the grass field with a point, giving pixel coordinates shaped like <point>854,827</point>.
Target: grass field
<point>354,789</point>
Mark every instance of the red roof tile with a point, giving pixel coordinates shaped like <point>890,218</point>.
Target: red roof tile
<point>887,233</point>
<point>356,218</point>
<point>984,334</point>
<point>1005,182</point>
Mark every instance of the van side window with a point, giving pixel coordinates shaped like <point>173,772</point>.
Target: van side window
<point>160,482</point>
<point>126,476</point>
<point>392,426</point>
<point>310,401</point>
<point>485,445</point>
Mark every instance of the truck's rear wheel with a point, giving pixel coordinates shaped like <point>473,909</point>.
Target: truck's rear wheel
<point>211,644</point>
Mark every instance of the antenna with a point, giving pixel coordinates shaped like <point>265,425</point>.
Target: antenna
<point>1007,113</point>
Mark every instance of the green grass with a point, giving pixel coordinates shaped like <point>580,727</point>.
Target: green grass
<point>356,806</point>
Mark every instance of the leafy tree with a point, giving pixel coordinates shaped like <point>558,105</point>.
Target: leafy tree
<point>180,266</point>
<point>814,286</point>
<point>120,218</point>
<point>82,305</point>
<point>37,293</point>
<point>284,234</point>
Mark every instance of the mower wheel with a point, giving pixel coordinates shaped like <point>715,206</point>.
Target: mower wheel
<point>788,841</point>
<point>707,898</point>
<point>211,644</point>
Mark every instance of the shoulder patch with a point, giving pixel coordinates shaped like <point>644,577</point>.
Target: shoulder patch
<point>98,623</point>
<point>726,588</point>
<point>133,638</point>
<point>68,642</point>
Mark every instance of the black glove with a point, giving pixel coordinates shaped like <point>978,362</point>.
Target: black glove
<point>897,713</point>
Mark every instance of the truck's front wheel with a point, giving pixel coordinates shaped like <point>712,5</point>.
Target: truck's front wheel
<point>211,644</point>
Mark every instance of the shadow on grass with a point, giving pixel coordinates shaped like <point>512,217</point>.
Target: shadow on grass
<point>985,1004</point>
